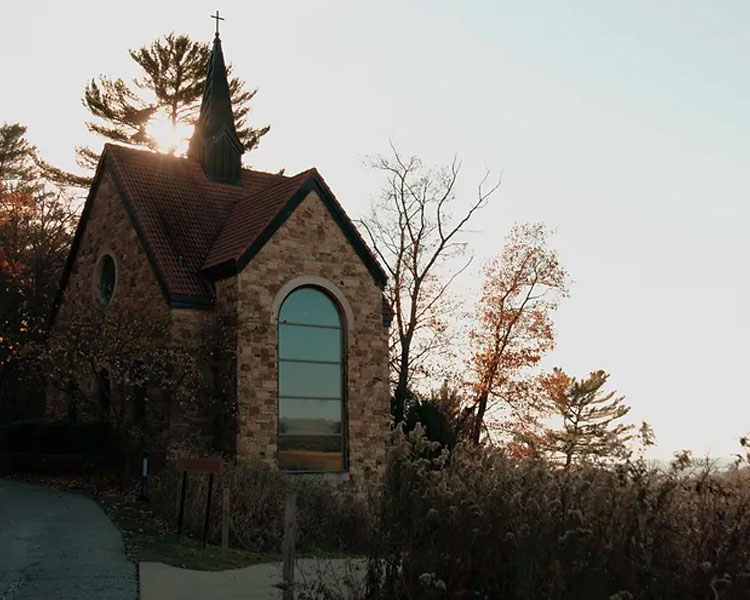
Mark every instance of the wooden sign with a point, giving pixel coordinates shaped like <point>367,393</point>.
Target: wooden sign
<point>199,465</point>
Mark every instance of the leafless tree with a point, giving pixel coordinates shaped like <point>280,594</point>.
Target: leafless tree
<point>414,234</point>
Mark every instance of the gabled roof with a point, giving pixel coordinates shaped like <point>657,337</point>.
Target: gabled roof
<point>247,220</point>
<point>254,220</point>
<point>195,230</point>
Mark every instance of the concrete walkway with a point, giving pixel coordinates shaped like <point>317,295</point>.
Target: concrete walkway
<point>59,545</point>
<point>163,582</point>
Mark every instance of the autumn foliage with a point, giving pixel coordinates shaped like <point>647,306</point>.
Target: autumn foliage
<point>514,329</point>
<point>36,227</point>
<point>590,420</point>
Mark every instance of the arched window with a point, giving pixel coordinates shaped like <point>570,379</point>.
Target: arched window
<point>311,376</point>
<point>105,279</point>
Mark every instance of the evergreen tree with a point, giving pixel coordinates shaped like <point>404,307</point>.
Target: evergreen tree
<point>590,419</point>
<point>173,75</point>
<point>36,228</point>
<point>17,169</point>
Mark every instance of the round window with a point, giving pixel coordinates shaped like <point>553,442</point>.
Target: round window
<point>106,277</point>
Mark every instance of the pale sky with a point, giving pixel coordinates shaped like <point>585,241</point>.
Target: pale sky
<point>624,125</point>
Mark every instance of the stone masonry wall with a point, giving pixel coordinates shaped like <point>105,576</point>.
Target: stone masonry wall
<point>191,427</point>
<point>109,229</point>
<point>310,243</point>
<point>226,332</point>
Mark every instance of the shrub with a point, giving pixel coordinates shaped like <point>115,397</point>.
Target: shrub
<point>436,424</point>
<point>329,519</point>
<point>480,524</point>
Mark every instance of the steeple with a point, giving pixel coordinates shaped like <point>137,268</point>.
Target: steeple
<point>215,144</point>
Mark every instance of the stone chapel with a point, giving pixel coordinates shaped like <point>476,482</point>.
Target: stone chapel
<point>203,241</point>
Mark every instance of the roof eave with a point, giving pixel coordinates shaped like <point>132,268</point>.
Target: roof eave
<point>107,160</point>
<point>192,302</point>
<point>72,253</point>
<point>220,270</point>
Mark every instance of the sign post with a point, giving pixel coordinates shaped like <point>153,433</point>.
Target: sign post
<point>225,523</point>
<point>197,465</point>
<point>290,535</point>
<point>144,477</point>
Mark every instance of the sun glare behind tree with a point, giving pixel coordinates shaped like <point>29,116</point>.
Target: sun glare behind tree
<point>171,138</point>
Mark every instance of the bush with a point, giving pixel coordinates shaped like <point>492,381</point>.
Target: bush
<point>329,519</point>
<point>55,437</point>
<point>480,524</point>
<point>436,424</point>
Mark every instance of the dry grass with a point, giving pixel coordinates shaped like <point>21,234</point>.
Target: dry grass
<point>330,520</point>
<point>483,524</point>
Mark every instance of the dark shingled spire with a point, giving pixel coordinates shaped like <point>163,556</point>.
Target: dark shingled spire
<point>215,144</point>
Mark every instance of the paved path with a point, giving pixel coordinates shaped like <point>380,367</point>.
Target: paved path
<point>162,582</point>
<point>59,545</point>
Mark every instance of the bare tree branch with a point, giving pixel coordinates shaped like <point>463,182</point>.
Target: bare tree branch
<point>411,233</point>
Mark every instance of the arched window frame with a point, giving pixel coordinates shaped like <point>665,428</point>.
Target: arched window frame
<point>346,320</point>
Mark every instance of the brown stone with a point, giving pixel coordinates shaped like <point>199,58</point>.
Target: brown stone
<point>309,245</point>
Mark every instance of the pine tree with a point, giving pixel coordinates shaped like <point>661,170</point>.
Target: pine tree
<point>17,170</point>
<point>173,75</point>
<point>590,419</point>
<point>36,228</point>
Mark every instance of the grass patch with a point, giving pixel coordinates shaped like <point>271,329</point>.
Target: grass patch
<point>147,538</point>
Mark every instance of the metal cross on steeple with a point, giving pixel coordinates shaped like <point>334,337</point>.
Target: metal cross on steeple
<point>218,18</point>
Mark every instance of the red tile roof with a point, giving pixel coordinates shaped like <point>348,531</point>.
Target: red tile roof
<point>249,217</point>
<point>194,229</point>
<point>180,212</point>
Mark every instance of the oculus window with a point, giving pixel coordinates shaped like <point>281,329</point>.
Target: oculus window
<point>311,383</point>
<point>106,277</point>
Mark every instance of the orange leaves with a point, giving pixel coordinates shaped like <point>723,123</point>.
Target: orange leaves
<point>555,386</point>
<point>523,287</point>
<point>590,419</point>
<point>36,227</point>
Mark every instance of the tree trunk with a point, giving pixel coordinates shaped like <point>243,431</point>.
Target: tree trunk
<point>476,430</point>
<point>568,459</point>
<point>402,389</point>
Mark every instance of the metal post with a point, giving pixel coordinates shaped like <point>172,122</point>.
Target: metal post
<point>182,504</point>
<point>144,477</point>
<point>290,534</point>
<point>208,507</point>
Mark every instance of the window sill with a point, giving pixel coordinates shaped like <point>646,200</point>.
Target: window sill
<point>327,476</point>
